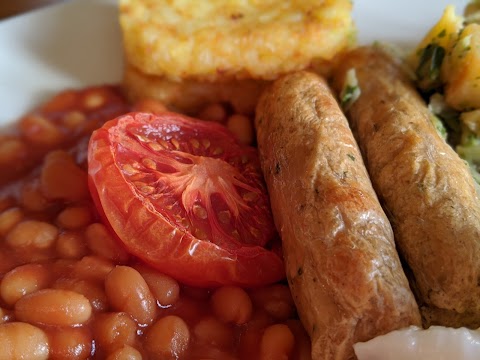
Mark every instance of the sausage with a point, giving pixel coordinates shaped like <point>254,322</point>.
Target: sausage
<point>341,263</point>
<point>426,188</point>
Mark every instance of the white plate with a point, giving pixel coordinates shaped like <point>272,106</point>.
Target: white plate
<point>78,43</point>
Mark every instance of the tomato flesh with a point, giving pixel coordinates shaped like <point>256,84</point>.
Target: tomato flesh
<point>185,197</point>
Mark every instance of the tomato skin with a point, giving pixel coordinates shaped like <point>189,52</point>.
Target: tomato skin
<point>151,233</point>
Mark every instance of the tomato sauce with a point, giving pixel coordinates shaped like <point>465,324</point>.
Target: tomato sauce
<point>70,290</point>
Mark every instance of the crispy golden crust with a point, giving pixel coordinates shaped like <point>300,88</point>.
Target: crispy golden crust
<point>427,189</point>
<point>342,266</point>
<point>206,40</point>
<point>189,96</point>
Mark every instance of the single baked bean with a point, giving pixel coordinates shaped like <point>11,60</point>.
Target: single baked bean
<point>40,131</point>
<point>12,150</point>
<point>74,217</point>
<point>91,289</point>
<point>127,291</point>
<point>213,112</point>
<point>71,245</point>
<point>126,352</point>
<point>102,243</point>
<point>303,347</point>
<point>112,330</point>
<point>62,179</point>
<point>93,99</point>
<point>232,304</point>
<point>54,307</point>
<point>74,119</point>
<point>276,300</point>
<point>212,331</point>
<point>93,267</point>
<point>69,343</point>
<point>23,280</point>
<point>165,289</point>
<point>32,198</point>
<point>9,218</point>
<point>32,233</point>
<point>149,105</point>
<point>168,338</point>
<point>277,343</point>
<point>242,127</point>
<point>23,341</point>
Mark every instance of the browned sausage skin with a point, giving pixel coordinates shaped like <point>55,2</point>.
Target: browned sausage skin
<point>342,266</point>
<point>426,188</point>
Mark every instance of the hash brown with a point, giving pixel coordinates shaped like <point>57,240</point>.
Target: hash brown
<point>211,40</point>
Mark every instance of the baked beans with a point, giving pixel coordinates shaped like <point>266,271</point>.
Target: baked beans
<point>74,217</point>
<point>125,352</point>
<point>102,243</point>
<point>68,342</point>
<point>69,290</point>
<point>213,112</point>
<point>232,305</point>
<point>54,307</point>
<point>167,338</point>
<point>112,330</point>
<point>277,343</point>
<point>23,280</point>
<point>10,218</point>
<point>23,341</point>
<point>128,291</point>
<point>242,127</point>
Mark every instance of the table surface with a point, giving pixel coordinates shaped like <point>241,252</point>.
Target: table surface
<point>14,7</point>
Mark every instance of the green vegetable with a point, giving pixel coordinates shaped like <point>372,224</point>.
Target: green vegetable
<point>469,147</point>
<point>428,70</point>
<point>439,126</point>
<point>471,154</point>
<point>351,90</point>
<point>445,119</point>
<point>442,33</point>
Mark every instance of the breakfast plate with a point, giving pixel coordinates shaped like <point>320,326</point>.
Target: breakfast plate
<point>78,43</point>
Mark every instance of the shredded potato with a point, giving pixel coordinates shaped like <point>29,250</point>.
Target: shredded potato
<point>211,40</point>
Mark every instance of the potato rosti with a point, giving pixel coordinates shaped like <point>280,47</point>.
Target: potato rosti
<point>217,39</point>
